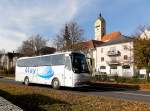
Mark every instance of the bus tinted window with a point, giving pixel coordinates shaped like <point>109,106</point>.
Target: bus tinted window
<point>31,62</point>
<point>42,61</point>
<point>46,61</point>
<point>58,59</point>
<point>79,63</point>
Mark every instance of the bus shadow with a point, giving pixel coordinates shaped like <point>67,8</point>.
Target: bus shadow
<point>100,87</point>
<point>96,89</point>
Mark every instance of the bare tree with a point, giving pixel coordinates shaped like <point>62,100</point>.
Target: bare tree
<point>75,33</point>
<point>47,50</point>
<point>68,37</point>
<point>141,30</point>
<point>32,45</point>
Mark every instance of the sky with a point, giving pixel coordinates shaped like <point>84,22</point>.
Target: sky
<point>21,19</point>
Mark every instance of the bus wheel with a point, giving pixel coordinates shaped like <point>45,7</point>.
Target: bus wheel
<point>26,81</point>
<point>55,83</point>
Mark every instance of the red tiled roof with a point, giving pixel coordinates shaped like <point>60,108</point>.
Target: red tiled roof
<point>89,44</point>
<point>110,36</point>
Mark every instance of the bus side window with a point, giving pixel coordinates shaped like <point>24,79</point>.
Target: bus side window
<point>67,63</point>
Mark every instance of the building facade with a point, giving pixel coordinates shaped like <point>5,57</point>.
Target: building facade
<point>8,61</point>
<point>114,56</point>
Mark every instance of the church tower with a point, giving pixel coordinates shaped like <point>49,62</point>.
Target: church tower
<point>100,28</point>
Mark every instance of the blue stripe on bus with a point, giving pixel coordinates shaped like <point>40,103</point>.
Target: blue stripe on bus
<point>43,72</point>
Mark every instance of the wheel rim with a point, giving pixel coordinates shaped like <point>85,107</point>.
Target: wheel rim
<point>26,81</point>
<point>56,83</point>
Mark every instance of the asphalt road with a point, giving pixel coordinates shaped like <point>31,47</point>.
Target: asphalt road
<point>134,95</point>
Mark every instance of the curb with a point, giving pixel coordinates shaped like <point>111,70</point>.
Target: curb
<point>12,78</point>
<point>8,106</point>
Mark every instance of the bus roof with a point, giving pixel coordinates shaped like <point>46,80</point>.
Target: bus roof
<point>56,53</point>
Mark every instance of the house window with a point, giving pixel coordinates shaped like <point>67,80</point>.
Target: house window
<point>125,57</point>
<point>126,67</point>
<point>102,67</point>
<point>101,50</point>
<point>103,33</point>
<point>113,67</point>
<point>112,48</point>
<point>102,59</point>
<point>125,47</point>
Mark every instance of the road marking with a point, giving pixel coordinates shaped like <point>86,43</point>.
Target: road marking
<point>133,94</point>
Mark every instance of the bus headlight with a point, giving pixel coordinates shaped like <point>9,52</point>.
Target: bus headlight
<point>77,81</point>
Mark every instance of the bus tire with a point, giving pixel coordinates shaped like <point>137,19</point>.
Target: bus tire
<point>26,81</point>
<point>55,83</point>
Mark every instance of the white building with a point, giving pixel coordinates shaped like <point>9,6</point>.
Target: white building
<point>115,57</point>
<point>115,54</point>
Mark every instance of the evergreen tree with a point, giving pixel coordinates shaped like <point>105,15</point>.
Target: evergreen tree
<point>67,40</point>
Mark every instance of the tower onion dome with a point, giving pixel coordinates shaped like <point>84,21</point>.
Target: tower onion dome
<point>100,17</point>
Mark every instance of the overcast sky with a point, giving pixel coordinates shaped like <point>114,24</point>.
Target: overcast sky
<point>22,18</point>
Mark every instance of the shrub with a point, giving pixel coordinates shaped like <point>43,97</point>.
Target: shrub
<point>134,79</point>
<point>100,77</point>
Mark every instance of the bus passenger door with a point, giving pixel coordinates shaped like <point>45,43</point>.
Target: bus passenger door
<point>68,79</point>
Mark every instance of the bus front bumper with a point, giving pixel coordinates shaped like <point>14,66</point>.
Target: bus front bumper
<point>82,84</point>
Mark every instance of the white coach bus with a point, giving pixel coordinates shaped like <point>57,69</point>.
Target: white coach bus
<point>60,69</point>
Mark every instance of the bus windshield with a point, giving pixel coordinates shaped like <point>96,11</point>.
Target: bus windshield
<point>79,64</point>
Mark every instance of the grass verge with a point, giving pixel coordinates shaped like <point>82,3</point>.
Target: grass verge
<point>32,98</point>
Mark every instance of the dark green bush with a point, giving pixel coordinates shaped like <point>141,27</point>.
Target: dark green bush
<point>133,80</point>
<point>100,77</point>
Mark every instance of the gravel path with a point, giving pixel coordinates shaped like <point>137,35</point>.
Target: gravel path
<point>8,106</point>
